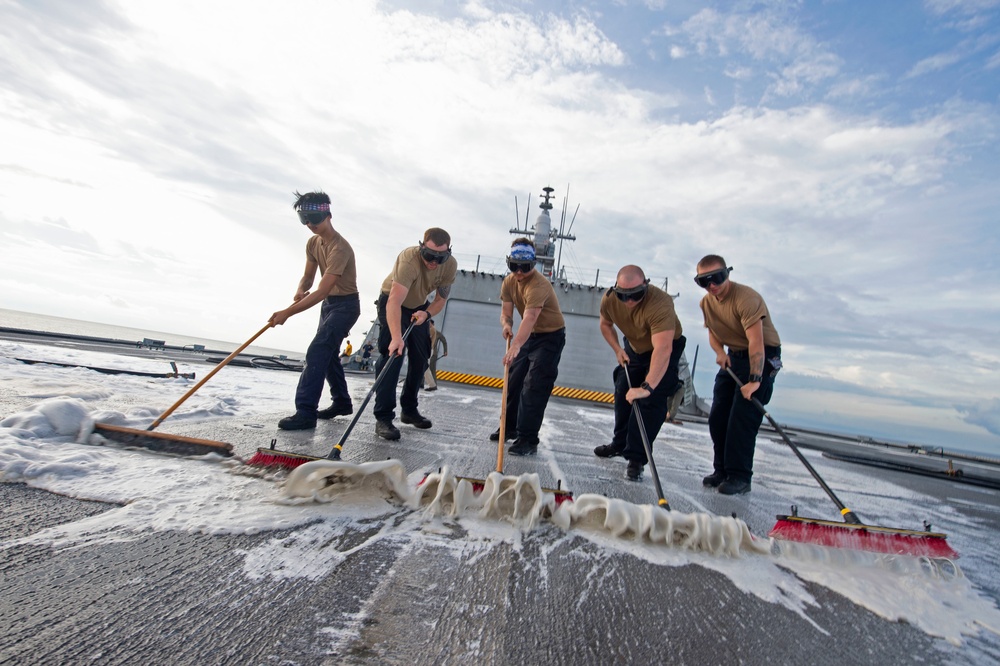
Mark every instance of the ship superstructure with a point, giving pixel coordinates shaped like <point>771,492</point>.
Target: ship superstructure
<point>471,320</point>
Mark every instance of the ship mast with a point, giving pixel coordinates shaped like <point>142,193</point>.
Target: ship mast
<point>544,236</point>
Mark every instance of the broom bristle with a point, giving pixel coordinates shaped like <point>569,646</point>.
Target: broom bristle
<point>478,485</point>
<point>272,458</point>
<point>863,537</point>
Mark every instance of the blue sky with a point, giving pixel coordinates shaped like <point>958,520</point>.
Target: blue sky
<point>841,155</point>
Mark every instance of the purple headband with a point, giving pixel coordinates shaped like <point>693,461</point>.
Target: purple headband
<point>310,207</point>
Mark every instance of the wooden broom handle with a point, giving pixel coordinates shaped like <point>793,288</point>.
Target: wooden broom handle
<point>503,413</point>
<point>204,379</point>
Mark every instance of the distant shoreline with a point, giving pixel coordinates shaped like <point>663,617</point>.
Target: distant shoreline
<point>149,349</point>
<point>42,325</point>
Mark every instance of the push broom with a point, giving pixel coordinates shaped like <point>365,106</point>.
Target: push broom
<point>165,442</point>
<point>852,533</point>
<point>661,500</point>
<point>479,484</point>
<point>270,457</point>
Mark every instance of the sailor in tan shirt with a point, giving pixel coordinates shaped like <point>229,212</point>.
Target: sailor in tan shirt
<point>330,254</point>
<point>736,318</point>
<point>653,345</point>
<point>418,271</point>
<point>534,352</point>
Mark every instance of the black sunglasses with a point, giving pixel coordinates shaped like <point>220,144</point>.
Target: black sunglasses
<point>431,256</point>
<point>520,266</point>
<point>633,293</point>
<point>716,277</point>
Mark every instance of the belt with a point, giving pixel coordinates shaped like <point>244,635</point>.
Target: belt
<point>540,335</point>
<point>745,353</point>
<point>344,297</point>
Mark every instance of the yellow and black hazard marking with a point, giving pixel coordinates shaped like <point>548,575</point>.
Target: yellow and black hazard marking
<point>496,382</point>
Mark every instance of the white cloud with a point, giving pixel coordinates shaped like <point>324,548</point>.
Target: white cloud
<point>985,413</point>
<point>934,63</point>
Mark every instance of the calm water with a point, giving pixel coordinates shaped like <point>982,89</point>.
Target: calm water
<point>36,322</point>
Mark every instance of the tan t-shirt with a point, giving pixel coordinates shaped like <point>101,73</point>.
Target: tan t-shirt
<point>655,314</point>
<point>729,319</point>
<point>335,258</point>
<point>535,292</point>
<point>411,272</point>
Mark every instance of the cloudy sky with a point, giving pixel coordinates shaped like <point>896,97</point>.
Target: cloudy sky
<point>841,154</point>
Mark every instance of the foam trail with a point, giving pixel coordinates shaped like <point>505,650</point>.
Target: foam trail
<point>325,480</point>
<point>517,499</point>
<point>691,531</point>
<point>521,501</point>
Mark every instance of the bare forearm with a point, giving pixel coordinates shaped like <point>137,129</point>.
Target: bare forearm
<point>305,303</point>
<point>436,307</point>
<point>658,364</point>
<point>755,338</point>
<point>714,343</point>
<point>608,333</point>
<point>393,314</point>
<point>526,327</point>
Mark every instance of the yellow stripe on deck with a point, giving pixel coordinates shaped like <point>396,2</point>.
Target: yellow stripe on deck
<point>495,382</point>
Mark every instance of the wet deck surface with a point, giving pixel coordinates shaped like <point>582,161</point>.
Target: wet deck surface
<point>180,598</point>
<point>405,596</point>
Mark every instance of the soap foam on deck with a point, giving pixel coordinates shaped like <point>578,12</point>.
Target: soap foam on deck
<point>167,493</point>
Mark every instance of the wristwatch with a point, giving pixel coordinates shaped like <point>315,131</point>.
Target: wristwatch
<point>756,379</point>
<point>645,385</point>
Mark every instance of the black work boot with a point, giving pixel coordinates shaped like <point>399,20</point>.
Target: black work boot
<point>297,421</point>
<point>634,470</point>
<point>713,480</point>
<point>415,420</point>
<point>523,446</point>
<point>607,451</point>
<point>733,486</point>
<point>386,430</point>
<point>508,435</point>
<point>335,410</point>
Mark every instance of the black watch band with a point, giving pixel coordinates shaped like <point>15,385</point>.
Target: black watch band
<point>645,385</point>
<point>756,379</point>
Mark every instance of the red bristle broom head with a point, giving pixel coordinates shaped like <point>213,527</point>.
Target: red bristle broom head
<point>281,459</point>
<point>863,537</point>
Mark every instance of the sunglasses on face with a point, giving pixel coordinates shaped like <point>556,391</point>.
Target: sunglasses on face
<point>520,266</point>
<point>716,277</point>
<point>633,293</point>
<point>433,256</point>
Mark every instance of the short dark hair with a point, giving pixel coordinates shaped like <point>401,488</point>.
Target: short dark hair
<point>317,197</point>
<point>710,259</point>
<point>437,236</point>
<point>523,241</point>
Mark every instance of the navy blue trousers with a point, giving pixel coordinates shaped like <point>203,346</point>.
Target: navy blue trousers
<point>733,420</point>
<point>627,437</point>
<point>337,315</point>
<point>418,346</point>
<point>530,380</point>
